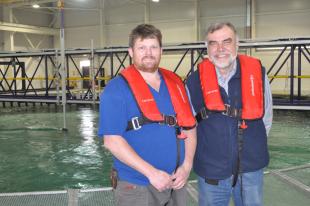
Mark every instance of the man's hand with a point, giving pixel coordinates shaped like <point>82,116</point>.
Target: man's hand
<point>180,177</point>
<point>160,180</point>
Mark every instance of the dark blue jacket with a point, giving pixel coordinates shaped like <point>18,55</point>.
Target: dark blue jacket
<point>217,144</point>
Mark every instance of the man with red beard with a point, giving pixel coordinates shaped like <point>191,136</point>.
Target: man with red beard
<point>231,96</point>
<point>147,124</point>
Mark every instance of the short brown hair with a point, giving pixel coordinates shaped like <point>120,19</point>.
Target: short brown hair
<point>219,25</point>
<point>144,31</point>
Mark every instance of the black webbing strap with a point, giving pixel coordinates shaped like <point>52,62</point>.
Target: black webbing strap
<point>177,132</point>
<point>203,114</point>
<point>229,111</point>
<point>178,154</point>
<point>238,168</point>
<point>137,122</point>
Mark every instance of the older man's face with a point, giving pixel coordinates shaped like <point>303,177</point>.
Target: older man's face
<point>222,47</point>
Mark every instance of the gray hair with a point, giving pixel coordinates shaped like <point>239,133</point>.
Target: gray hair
<point>219,25</point>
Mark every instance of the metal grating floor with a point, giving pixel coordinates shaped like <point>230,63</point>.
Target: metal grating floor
<point>284,187</point>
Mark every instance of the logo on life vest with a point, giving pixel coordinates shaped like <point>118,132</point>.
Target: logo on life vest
<point>212,91</point>
<point>252,85</point>
<point>147,100</point>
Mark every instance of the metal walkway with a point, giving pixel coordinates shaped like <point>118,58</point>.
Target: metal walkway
<point>34,77</point>
<point>283,187</point>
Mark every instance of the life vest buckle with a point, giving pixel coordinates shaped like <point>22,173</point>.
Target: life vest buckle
<point>204,113</point>
<point>135,123</point>
<point>231,111</point>
<point>169,120</point>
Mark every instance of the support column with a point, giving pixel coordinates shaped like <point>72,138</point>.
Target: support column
<point>249,32</point>
<point>63,68</point>
<point>197,21</point>
<point>147,12</point>
<point>102,26</point>
<point>8,36</point>
<point>248,20</point>
<point>253,19</point>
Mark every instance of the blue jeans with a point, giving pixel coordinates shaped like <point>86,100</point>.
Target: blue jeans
<point>219,195</point>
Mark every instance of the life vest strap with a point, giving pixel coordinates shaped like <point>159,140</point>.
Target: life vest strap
<point>137,122</point>
<point>238,171</point>
<point>229,111</point>
<point>232,111</point>
<point>203,114</point>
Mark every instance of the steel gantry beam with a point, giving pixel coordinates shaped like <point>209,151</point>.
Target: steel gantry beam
<point>27,28</point>
<point>20,84</point>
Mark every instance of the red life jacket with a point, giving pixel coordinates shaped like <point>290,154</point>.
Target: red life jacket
<point>252,88</point>
<point>147,104</point>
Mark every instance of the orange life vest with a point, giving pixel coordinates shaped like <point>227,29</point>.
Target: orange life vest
<point>147,104</point>
<point>252,88</point>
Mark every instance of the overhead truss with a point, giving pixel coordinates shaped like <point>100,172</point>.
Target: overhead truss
<point>17,81</point>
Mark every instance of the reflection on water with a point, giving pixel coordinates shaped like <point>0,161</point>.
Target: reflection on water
<point>36,155</point>
<point>87,125</point>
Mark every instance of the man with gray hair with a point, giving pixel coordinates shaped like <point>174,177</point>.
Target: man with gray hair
<point>231,96</point>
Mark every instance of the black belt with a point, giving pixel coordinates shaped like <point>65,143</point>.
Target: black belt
<point>212,181</point>
<point>216,182</point>
<point>137,122</point>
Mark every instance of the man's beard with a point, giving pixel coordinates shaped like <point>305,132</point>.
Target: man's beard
<point>223,65</point>
<point>149,67</point>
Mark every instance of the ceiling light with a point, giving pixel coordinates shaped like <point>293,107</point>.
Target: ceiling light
<point>155,0</point>
<point>36,6</point>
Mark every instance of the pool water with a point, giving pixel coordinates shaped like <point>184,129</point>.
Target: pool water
<point>37,155</point>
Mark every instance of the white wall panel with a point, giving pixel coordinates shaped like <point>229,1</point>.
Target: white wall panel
<point>172,10</point>
<point>32,17</point>
<point>25,41</point>
<point>222,8</point>
<point>288,25</point>
<point>177,32</point>
<point>80,37</point>
<point>283,5</point>
<point>285,19</point>
<point>129,13</point>
<point>117,35</point>
<point>1,32</point>
<point>80,18</point>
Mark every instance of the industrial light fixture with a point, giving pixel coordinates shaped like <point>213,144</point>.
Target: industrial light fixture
<point>36,6</point>
<point>155,0</point>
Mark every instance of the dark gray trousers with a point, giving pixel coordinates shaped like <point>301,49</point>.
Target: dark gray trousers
<point>128,194</point>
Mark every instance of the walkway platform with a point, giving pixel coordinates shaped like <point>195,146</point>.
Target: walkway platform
<point>283,187</point>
